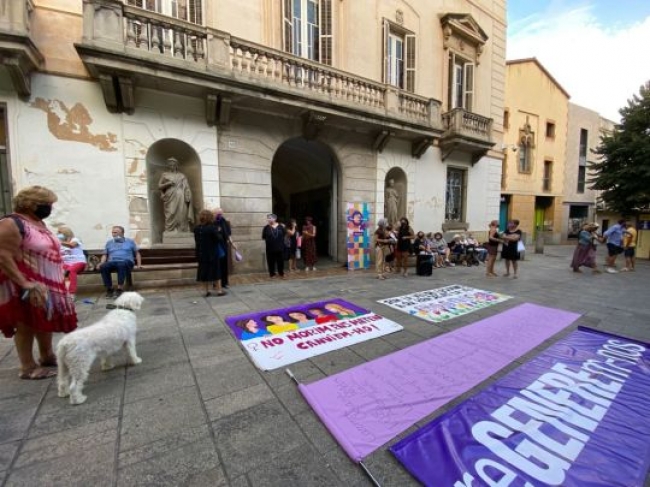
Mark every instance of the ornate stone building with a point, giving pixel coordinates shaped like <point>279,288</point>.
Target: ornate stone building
<point>288,106</point>
<point>534,148</point>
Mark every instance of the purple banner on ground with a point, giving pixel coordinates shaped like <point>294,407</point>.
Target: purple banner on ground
<point>369,405</point>
<point>577,415</point>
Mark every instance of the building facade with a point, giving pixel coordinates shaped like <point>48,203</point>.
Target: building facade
<point>534,148</point>
<point>295,107</point>
<point>583,138</point>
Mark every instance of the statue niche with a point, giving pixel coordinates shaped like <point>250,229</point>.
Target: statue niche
<point>177,202</point>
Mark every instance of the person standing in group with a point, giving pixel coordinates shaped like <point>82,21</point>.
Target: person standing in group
<point>614,238</point>
<point>292,235</point>
<point>34,302</point>
<point>629,246</point>
<point>273,236</point>
<point>309,253</point>
<point>509,251</point>
<point>121,255</point>
<point>585,251</point>
<point>74,260</point>
<point>207,240</point>
<point>492,246</point>
<point>225,242</point>
<point>405,237</point>
<point>381,240</point>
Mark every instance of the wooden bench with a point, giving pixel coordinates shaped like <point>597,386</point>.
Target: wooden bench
<point>153,260</point>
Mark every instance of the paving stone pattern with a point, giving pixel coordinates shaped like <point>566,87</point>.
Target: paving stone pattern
<point>197,412</point>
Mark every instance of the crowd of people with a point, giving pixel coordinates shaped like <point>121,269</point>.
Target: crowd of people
<point>38,268</point>
<point>393,246</point>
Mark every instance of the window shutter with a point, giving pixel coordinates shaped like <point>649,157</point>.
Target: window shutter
<point>195,12</point>
<point>450,83</point>
<point>325,28</point>
<point>410,63</point>
<point>385,47</point>
<point>287,26</point>
<point>468,87</point>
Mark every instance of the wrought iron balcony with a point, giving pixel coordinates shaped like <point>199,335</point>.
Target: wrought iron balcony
<point>126,46</point>
<point>18,53</point>
<point>467,132</point>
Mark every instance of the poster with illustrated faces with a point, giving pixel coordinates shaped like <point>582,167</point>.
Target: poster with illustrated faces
<point>279,337</point>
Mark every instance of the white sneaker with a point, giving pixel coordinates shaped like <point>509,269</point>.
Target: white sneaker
<point>611,270</point>
<point>313,268</point>
<point>306,269</point>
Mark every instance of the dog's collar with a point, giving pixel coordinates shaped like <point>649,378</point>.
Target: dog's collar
<point>117,306</point>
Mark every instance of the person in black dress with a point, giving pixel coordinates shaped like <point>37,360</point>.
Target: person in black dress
<point>206,240</point>
<point>273,235</point>
<point>223,227</point>
<point>509,252</point>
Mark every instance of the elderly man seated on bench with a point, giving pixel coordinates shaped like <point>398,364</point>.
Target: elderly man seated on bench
<point>120,255</point>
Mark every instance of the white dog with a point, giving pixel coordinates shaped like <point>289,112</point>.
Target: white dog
<point>77,351</point>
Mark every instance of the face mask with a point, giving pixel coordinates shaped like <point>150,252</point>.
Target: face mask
<point>118,239</point>
<point>219,217</point>
<point>60,236</point>
<point>43,211</point>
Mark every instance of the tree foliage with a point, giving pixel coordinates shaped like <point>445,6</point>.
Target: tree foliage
<point>622,171</point>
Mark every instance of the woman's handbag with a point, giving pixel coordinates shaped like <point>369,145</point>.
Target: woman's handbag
<point>238,256</point>
<point>520,246</point>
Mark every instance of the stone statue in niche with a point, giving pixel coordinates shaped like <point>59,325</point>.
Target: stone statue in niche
<point>177,199</point>
<point>391,202</point>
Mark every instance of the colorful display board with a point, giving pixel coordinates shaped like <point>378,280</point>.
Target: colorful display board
<point>444,303</point>
<point>359,239</point>
<point>278,337</point>
<point>576,415</point>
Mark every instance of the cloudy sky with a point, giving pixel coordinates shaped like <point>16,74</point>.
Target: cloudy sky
<point>598,50</point>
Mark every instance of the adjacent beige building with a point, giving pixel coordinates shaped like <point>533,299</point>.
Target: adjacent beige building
<point>534,148</point>
<point>288,106</point>
<point>583,137</point>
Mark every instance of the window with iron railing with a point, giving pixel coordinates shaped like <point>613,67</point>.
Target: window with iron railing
<point>455,194</point>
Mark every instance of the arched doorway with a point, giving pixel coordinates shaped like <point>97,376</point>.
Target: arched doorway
<point>304,179</point>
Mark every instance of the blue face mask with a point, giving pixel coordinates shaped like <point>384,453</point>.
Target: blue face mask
<point>118,239</point>
<point>60,236</point>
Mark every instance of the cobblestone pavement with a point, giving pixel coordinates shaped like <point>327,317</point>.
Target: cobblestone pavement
<point>198,412</point>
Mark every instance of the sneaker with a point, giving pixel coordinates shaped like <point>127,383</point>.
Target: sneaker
<point>611,270</point>
<point>109,293</point>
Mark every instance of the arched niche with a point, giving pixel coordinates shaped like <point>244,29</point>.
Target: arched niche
<point>189,164</point>
<point>398,176</point>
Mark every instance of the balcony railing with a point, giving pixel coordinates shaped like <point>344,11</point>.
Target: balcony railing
<point>459,122</point>
<point>111,25</point>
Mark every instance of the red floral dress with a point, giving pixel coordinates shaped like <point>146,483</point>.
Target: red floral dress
<point>40,261</point>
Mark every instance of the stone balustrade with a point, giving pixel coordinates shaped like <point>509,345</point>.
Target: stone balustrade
<point>113,26</point>
<point>461,122</point>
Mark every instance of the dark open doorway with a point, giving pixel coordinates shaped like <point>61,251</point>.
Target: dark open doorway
<point>304,180</point>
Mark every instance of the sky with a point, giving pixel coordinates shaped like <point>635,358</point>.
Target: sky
<point>598,50</point>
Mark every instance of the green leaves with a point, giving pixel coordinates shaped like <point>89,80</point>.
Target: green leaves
<point>622,171</point>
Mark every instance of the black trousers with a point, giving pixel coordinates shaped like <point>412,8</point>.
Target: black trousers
<point>223,268</point>
<point>275,260</point>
